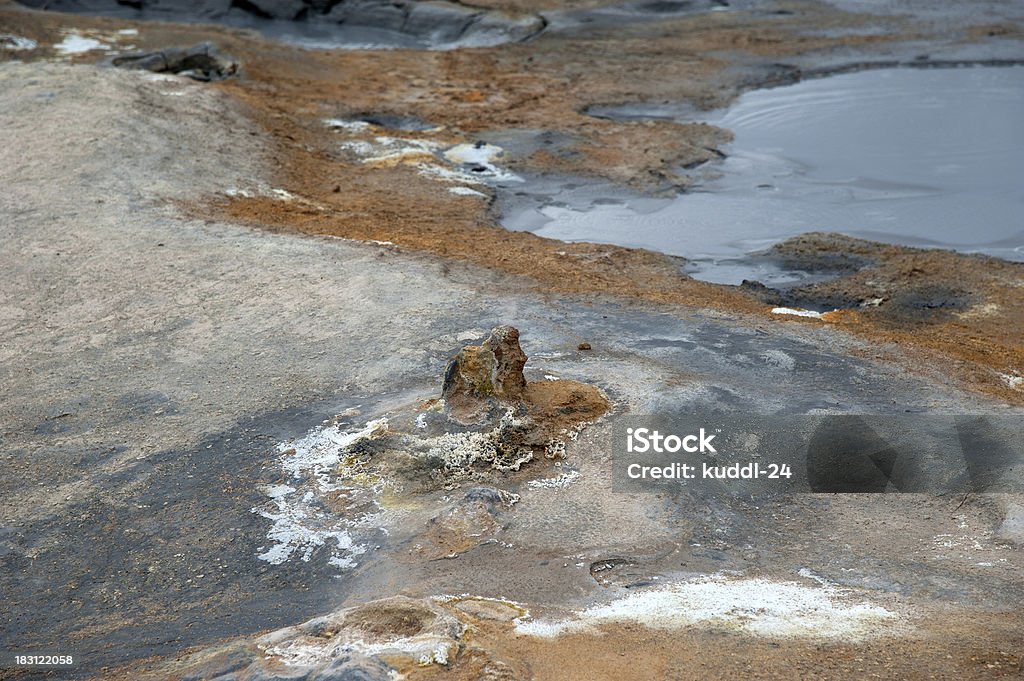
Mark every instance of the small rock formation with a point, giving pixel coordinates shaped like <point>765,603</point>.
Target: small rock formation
<point>482,375</point>
<point>199,62</point>
<point>375,641</point>
<point>405,631</point>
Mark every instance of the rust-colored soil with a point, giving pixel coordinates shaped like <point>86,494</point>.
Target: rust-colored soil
<point>984,648</point>
<point>562,405</point>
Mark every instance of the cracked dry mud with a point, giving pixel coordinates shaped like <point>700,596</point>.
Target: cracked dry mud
<point>189,367</point>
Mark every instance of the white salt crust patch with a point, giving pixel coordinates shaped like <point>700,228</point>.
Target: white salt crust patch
<point>759,607</point>
<point>466,164</point>
<point>969,545</point>
<point>299,524</point>
<point>81,41</point>
<point>74,43</point>
<point>346,125</point>
<point>466,191</point>
<point>796,312</point>
<point>481,157</point>
<point>560,481</point>
<point>425,649</point>
<point>1015,382</point>
<point>251,193</point>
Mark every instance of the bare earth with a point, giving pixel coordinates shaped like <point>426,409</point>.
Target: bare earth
<point>175,310</point>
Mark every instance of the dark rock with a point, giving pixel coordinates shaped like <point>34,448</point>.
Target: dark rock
<point>386,15</point>
<point>432,22</point>
<point>767,295</point>
<point>441,22</point>
<point>282,10</point>
<point>192,9</point>
<point>823,252</point>
<point>200,62</point>
<point>395,122</point>
<point>819,298</point>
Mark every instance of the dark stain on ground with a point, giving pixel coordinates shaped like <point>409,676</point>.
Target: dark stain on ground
<point>163,558</point>
<point>865,276</point>
<point>799,297</point>
<point>393,121</point>
<point>928,303</point>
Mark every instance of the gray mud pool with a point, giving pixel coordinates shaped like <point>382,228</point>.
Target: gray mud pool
<point>928,157</point>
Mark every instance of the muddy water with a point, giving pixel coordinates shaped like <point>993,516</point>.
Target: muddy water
<point>924,157</point>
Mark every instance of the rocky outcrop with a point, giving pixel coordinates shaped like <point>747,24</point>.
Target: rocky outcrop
<point>430,22</point>
<point>369,642</point>
<point>200,62</point>
<point>493,370</point>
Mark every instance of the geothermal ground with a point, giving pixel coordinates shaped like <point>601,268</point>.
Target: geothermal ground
<point>227,310</point>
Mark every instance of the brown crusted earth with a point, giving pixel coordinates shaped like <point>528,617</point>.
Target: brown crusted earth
<point>636,652</point>
<point>546,85</point>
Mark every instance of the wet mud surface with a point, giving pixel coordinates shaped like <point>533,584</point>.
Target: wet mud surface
<point>174,307</point>
<point>163,559</point>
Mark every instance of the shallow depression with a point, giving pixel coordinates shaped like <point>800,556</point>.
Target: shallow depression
<point>924,157</point>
